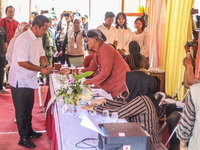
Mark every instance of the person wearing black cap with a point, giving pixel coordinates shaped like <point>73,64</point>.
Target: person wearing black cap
<point>110,66</point>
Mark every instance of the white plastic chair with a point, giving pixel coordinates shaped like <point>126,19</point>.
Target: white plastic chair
<point>160,96</point>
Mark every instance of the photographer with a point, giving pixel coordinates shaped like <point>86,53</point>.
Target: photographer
<point>64,25</point>
<point>194,43</point>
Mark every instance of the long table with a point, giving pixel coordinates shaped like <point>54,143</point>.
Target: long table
<point>64,129</point>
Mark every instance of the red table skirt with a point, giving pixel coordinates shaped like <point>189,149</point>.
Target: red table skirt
<point>50,124</point>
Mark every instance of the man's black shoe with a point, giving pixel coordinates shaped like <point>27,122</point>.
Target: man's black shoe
<point>35,135</point>
<point>26,142</point>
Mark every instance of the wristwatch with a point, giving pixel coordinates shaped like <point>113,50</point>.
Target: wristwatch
<point>95,107</point>
<point>46,65</point>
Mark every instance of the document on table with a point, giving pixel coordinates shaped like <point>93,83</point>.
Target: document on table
<point>90,124</point>
<point>179,104</point>
<point>100,94</point>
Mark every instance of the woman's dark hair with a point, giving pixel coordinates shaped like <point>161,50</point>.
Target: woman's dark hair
<point>35,13</point>
<point>40,20</point>
<point>117,17</point>
<point>134,49</point>
<point>141,20</point>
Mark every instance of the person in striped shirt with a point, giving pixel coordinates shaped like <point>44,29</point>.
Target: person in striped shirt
<point>188,129</point>
<point>140,106</point>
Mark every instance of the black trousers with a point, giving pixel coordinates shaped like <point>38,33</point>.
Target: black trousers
<point>23,99</point>
<point>59,48</point>
<point>2,65</point>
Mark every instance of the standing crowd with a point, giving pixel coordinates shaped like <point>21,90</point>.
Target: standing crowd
<point>114,52</point>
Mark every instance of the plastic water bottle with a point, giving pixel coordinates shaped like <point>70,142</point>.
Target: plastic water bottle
<point>83,101</point>
<point>65,65</point>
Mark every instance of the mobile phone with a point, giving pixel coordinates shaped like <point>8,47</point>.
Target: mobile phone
<point>187,55</point>
<point>196,11</point>
<point>189,44</point>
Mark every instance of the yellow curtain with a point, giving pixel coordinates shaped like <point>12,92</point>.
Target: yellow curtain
<point>177,32</point>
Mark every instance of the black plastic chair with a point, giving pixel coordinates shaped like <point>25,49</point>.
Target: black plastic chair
<point>173,121</point>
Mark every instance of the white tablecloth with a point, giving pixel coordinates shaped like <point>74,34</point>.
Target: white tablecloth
<point>67,126</point>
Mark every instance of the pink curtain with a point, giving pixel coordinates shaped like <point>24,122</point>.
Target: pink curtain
<point>157,9</point>
<point>197,65</point>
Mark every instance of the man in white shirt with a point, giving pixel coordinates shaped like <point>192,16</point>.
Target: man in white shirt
<point>27,54</point>
<point>108,30</point>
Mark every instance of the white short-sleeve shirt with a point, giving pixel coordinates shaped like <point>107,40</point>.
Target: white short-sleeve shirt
<point>111,34</point>
<point>29,48</point>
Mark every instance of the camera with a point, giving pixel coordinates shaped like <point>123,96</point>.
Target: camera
<point>66,14</point>
<point>196,11</point>
<point>189,44</point>
<point>45,11</point>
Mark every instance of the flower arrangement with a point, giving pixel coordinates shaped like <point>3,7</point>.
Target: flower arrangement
<point>71,88</point>
<point>141,9</point>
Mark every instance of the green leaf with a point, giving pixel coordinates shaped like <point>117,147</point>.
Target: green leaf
<point>76,77</point>
<point>88,87</point>
<point>86,74</point>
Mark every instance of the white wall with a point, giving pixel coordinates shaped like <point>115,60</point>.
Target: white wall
<point>100,7</point>
<point>21,9</point>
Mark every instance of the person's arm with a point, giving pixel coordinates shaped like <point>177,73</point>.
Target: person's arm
<point>129,39</point>
<point>185,128</point>
<point>146,44</point>
<point>84,35</point>
<point>43,61</point>
<point>115,43</point>
<point>132,108</point>
<point>110,105</point>
<point>33,67</point>
<point>106,57</point>
<point>116,37</point>
<point>93,65</point>
<point>121,51</point>
<point>183,145</point>
<point>189,78</point>
<point>193,23</point>
<point>10,50</point>
<point>6,46</point>
<point>65,42</point>
<point>5,41</point>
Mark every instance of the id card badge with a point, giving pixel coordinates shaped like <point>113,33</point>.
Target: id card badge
<point>75,45</point>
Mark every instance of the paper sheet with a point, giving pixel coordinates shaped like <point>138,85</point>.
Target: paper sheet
<point>101,93</point>
<point>90,124</point>
<point>179,104</point>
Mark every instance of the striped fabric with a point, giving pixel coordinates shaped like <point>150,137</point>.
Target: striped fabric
<point>184,131</point>
<point>140,110</point>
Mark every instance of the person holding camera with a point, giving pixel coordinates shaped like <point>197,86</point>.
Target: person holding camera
<point>64,25</point>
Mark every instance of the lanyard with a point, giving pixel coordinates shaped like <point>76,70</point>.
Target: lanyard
<point>75,35</point>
